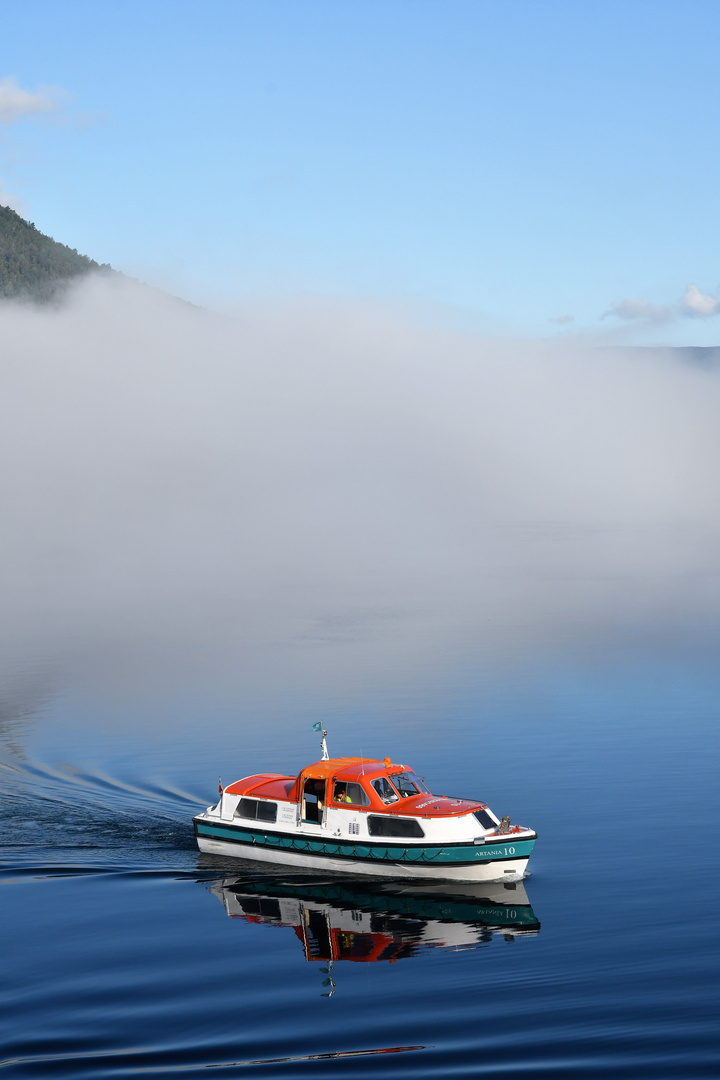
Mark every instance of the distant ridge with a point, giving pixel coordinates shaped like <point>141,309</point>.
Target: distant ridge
<point>701,355</point>
<point>34,266</point>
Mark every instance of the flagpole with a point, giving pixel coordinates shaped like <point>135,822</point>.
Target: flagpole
<point>319,726</point>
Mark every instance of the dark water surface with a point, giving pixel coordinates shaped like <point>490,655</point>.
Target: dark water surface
<point>126,953</point>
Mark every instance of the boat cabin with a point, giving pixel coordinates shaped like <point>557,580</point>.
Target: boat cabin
<point>386,792</point>
<point>341,782</point>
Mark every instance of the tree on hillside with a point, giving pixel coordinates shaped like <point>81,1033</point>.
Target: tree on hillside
<point>34,266</point>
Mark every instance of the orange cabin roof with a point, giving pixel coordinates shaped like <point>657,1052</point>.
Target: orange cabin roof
<point>352,769</point>
<point>265,785</point>
<point>433,806</point>
<point>347,768</point>
<point>277,786</point>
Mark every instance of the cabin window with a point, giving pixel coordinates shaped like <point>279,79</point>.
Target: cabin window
<point>259,811</point>
<point>392,826</point>
<point>385,790</point>
<point>354,946</point>
<point>264,906</point>
<point>350,793</point>
<point>408,784</point>
<point>484,818</point>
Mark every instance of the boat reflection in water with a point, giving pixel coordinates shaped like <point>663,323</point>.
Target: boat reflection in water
<point>371,921</point>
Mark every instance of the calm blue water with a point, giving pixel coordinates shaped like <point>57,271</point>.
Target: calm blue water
<point>126,953</point>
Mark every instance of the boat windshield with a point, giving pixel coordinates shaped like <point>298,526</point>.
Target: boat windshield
<point>385,790</point>
<point>407,783</point>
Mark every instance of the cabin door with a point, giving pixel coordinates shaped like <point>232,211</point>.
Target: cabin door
<point>317,935</point>
<point>313,801</point>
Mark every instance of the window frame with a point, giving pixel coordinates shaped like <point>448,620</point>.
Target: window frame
<point>385,780</point>
<point>411,777</point>
<point>348,784</point>
<point>256,817</point>
<point>484,810</point>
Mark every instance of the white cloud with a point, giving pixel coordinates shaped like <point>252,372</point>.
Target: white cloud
<point>693,304</point>
<point>16,103</point>
<point>640,309</point>
<point>697,304</point>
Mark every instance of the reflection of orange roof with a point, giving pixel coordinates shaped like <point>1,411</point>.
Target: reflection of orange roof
<point>367,948</point>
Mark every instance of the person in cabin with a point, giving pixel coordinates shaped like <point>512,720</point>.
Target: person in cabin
<point>341,794</point>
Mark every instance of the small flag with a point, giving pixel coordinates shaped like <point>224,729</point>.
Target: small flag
<point>318,726</point>
<point>220,784</point>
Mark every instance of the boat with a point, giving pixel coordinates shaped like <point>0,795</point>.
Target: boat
<point>362,815</point>
<point>380,921</point>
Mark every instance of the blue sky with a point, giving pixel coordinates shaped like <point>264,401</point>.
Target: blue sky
<point>499,166</point>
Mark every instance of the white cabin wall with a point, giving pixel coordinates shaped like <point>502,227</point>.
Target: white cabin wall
<point>436,829</point>
<point>288,815</point>
<point>337,820</point>
<point>340,819</point>
<point>291,911</point>
<point>454,829</point>
<point>228,806</point>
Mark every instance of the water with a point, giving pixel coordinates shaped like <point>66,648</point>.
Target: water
<point>127,953</point>
<point>493,560</point>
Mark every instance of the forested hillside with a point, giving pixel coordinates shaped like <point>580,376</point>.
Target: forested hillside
<point>34,266</point>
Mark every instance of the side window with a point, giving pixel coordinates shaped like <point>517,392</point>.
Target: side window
<point>267,811</point>
<point>349,793</point>
<point>258,811</point>
<point>263,906</point>
<point>385,790</point>
<point>389,826</point>
<point>484,818</point>
<point>247,808</point>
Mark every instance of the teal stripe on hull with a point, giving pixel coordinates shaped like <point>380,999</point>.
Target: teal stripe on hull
<point>458,854</point>
<point>412,906</point>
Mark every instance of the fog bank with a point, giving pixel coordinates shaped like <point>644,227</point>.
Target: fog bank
<point>330,492</point>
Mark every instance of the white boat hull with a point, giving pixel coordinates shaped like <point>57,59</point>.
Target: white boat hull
<point>498,870</point>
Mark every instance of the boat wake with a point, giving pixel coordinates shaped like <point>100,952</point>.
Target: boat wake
<point>62,816</point>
